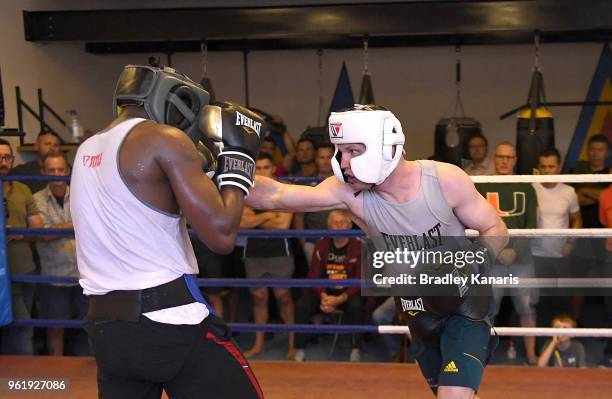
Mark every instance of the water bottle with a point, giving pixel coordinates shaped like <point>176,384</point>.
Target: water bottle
<point>511,353</point>
<point>76,129</point>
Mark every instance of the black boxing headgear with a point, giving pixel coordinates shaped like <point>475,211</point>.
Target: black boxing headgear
<point>168,96</point>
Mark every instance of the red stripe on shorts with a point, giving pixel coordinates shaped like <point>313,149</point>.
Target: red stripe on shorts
<point>236,354</point>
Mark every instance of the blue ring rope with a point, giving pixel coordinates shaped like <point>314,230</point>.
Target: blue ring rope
<point>238,327</point>
<point>213,282</point>
<point>27,231</point>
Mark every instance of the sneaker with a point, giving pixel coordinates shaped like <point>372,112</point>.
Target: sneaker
<point>511,352</point>
<point>355,355</point>
<point>532,362</point>
<point>300,355</point>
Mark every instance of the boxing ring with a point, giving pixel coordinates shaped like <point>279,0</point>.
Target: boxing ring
<point>282,379</point>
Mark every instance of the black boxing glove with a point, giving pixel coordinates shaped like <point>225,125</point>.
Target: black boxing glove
<point>208,154</point>
<point>238,130</point>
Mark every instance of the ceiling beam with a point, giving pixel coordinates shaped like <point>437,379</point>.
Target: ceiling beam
<point>324,26</point>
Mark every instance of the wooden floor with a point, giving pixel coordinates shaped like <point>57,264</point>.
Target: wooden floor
<point>287,380</point>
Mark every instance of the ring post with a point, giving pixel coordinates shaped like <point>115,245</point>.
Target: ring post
<point>6,308</point>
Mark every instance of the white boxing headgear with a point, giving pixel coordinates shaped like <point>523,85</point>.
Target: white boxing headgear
<point>380,132</point>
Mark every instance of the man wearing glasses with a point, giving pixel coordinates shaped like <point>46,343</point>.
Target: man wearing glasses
<point>20,211</point>
<point>517,205</point>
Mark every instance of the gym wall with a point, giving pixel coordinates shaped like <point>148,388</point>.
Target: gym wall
<point>416,83</point>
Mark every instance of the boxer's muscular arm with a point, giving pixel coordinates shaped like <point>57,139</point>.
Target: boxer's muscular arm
<point>329,194</point>
<point>214,216</point>
<point>470,207</point>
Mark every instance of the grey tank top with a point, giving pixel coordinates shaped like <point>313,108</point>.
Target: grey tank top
<point>423,218</point>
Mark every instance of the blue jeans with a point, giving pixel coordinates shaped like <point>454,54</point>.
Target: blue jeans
<point>18,340</point>
<point>522,298</point>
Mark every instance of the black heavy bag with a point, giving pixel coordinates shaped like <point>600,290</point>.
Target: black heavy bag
<point>533,135</point>
<point>208,86</point>
<point>366,93</point>
<point>452,136</point>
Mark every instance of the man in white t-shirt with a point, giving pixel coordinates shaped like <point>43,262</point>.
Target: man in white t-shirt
<point>558,209</point>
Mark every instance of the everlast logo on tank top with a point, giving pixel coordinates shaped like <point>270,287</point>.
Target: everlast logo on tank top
<point>243,120</point>
<point>426,240</point>
<point>412,305</point>
<point>238,164</point>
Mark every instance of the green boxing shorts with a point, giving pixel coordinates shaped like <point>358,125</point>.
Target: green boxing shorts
<point>465,349</point>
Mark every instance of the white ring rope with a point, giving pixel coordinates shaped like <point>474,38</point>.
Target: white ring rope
<point>543,282</point>
<point>561,282</point>
<point>522,331</point>
<point>593,178</point>
<point>552,233</point>
<point>555,283</point>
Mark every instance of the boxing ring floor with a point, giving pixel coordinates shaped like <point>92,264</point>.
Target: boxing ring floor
<point>327,380</point>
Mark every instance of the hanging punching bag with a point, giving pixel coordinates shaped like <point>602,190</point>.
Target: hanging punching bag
<point>452,136</point>
<point>531,140</point>
<point>208,86</point>
<point>366,94</point>
<point>535,128</point>
<point>205,81</point>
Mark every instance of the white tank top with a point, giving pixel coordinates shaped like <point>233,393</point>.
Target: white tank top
<point>123,243</point>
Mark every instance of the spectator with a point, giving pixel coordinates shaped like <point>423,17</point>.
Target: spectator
<point>324,154</point>
<point>21,211</point>
<point>268,146</point>
<point>315,220</point>
<point>588,193</point>
<point>213,265</point>
<point>58,254</point>
<point>558,209</point>
<point>45,142</point>
<point>281,137</point>
<point>335,259</point>
<point>590,253</point>
<point>479,163</point>
<point>305,158</point>
<point>234,268</point>
<point>562,351</point>
<point>70,155</point>
<point>605,216</point>
<point>268,258</point>
<point>210,265</point>
<point>383,315</point>
<point>516,204</point>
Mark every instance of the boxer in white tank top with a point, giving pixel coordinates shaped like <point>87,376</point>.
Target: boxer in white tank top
<point>135,186</point>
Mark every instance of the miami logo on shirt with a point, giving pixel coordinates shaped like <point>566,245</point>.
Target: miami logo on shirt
<point>518,207</point>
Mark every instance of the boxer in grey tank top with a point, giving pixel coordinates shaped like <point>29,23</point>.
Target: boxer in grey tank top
<point>426,215</point>
<point>392,196</point>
